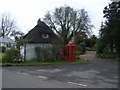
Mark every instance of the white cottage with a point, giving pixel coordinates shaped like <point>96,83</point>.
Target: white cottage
<point>40,35</point>
<point>6,41</point>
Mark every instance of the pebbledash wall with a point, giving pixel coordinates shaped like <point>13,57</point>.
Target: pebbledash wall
<point>30,50</point>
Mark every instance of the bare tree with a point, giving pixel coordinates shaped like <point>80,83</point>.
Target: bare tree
<point>7,24</point>
<point>68,22</point>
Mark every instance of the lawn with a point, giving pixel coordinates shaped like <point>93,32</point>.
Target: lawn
<point>111,57</point>
<point>32,63</point>
<point>1,54</point>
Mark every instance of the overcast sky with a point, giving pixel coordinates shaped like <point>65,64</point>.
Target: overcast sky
<point>27,12</point>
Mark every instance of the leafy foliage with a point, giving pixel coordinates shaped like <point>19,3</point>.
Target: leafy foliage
<point>83,47</point>
<point>109,56</point>
<point>48,53</point>
<point>110,31</point>
<point>2,49</point>
<point>10,56</point>
<point>91,42</point>
<point>20,42</point>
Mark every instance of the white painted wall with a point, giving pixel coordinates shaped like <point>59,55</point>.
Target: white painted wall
<point>30,50</point>
<point>22,51</point>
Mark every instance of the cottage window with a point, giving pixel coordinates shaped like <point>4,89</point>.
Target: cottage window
<point>45,35</point>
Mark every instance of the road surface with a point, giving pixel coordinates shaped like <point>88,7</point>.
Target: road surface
<point>96,74</point>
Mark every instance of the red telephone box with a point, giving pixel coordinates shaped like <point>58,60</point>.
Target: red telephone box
<point>71,52</point>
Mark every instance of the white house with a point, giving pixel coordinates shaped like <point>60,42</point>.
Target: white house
<point>40,35</point>
<point>6,41</point>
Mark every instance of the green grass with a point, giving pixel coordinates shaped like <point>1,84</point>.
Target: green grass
<point>111,57</point>
<point>33,63</point>
<point>1,54</point>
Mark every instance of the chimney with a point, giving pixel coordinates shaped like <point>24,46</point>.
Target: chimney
<point>39,20</point>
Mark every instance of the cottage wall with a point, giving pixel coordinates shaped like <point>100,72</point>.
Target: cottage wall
<point>30,49</point>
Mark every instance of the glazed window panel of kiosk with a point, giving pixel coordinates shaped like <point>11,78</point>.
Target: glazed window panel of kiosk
<point>71,52</point>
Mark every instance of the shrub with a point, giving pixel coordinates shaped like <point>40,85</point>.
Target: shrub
<point>2,49</point>
<point>101,46</point>
<point>82,47</point>
<point>47,53</point>
<point>10,56</point>
<point>108,56</point>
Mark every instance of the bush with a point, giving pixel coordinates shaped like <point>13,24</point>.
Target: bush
<point>108,56</point>
<point>42,53</point>
<point>101,47</point>
<point>2,49</point>
<point>10,56</point>
<point>56,53</point>
<point>47,53</point>
<point>82,47</point>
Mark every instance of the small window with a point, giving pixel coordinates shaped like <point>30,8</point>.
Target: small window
<point>45,35</point>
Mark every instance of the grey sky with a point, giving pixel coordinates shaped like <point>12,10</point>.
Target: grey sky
<point>27,12</point>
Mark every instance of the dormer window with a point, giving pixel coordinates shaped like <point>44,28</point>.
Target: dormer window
<point>45,35</point>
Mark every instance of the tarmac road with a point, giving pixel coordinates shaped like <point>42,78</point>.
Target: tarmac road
<point>96,74</point>
<point>16,80</point>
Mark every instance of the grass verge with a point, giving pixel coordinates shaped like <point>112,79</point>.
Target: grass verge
<point>111,57</point>
<point>34,63</point>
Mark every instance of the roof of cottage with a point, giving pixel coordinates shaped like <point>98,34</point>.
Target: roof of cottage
<point>41,33</point>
